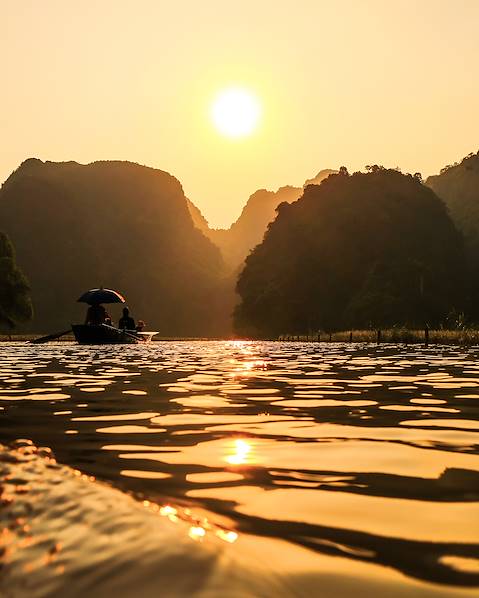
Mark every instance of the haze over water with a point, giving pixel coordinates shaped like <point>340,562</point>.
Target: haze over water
<point>360,452</point>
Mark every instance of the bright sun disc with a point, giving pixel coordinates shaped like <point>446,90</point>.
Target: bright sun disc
<point>235,112</point>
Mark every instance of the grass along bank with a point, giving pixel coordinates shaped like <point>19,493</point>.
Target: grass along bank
<point>468,336</point>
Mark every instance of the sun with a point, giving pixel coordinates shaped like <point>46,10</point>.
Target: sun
<point>235,112</point>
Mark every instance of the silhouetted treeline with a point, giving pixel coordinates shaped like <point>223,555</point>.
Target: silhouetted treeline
<point>458,187</point>
<point>15,303</point>
<point>115,224</point>
<point>368,250</point>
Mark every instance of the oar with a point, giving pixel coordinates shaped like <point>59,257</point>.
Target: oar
<point>50,337</point>
<point>123,332</point>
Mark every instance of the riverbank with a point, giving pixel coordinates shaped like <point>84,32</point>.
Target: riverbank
<point>468,337</point>
<point>69,338</point>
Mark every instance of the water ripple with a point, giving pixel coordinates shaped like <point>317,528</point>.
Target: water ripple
<point>369,453</point>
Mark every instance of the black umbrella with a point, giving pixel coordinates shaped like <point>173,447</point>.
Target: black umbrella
<point>95,296</point>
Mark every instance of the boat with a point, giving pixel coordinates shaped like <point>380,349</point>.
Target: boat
<point>95,333</point>
<point>103,334</point>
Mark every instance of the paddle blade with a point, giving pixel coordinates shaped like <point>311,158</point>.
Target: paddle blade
<point>50,337</point>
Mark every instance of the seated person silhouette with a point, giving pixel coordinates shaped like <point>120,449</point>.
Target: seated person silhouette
<point>126,321</point>
<point>96,315</point>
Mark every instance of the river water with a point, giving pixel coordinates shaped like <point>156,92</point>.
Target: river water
<point>356,455</point>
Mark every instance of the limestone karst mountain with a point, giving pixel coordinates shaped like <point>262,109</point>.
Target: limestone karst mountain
<point>458,186</point>
<point>367,250</point>
<point>319,178</point>
<point>198,219</point>
<point>116,224</point>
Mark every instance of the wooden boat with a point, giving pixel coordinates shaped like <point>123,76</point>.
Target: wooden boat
<point>86,334</point>
<point>100,334</point>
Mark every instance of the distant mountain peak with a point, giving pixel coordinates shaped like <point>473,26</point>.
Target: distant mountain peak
<point>258,212</point>
<point>319,178</point>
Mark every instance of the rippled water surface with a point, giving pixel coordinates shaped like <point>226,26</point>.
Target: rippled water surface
<point>362,452</point>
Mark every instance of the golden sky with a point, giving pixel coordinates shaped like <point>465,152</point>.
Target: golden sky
<point>340,82</point>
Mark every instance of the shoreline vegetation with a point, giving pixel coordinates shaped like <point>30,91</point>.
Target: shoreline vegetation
<point>401,336</point>
<point>466,336</point>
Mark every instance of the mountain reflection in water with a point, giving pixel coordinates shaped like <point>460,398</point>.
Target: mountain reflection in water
<point>368,453</point>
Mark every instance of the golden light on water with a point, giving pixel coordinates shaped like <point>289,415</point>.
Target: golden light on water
<point>197,532</point>
<point>170,512</point>
<point>198,529</point>
<point>236,112</point>
<point>241,453</point>
<point>227,536</point>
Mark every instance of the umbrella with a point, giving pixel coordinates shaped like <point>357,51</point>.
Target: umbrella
<point>95,296</point>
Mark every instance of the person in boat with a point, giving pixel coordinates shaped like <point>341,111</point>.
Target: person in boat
<point>140,326</point>
<point>126,321</point>
<point>96,315</point>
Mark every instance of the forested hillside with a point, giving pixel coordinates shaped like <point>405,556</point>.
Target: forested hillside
<point>371,249</point>
<point>15,303</point>
<point>458,187</point>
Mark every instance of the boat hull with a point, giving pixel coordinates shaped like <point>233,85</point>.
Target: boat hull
<point>107,335</point>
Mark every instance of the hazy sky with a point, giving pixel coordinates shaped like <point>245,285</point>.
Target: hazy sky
<point>341,82</point>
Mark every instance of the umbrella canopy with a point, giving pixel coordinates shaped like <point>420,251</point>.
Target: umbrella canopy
<point>94,296</point>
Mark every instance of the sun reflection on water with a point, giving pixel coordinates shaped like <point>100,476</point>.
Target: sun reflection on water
<point>196,532</point>
<point>241,453</point>
<point>169,512</point>
<point>227,536</point>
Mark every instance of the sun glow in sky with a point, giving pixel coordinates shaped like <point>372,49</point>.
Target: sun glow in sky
<point>235,112</point>
<point>332,83</point>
